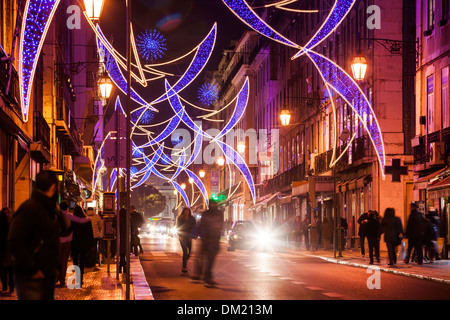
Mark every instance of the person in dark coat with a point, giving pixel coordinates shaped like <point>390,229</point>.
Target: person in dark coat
<point>362,232</point>
<point>6,261</point>
<point>185,223</point>
<point>82,241</point>
<point>372,231</point>
<point>137,221</point>
<point>33,240</point>
<point>431,245</point>
<point>392,228</point>
<point>210,231</point>
<point>416,231</point>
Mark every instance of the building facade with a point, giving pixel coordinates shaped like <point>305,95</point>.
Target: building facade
<point>432,136</point>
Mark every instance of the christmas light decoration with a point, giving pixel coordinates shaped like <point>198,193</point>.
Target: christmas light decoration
<point>151,45</point>
<point>208,94</point>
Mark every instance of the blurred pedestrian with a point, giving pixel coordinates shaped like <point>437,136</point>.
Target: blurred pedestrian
<point>185,223</point>
<point>297,232</point>
<point>65,239</point>
<point>305,231</point>
<point>137,220</point>
<point>372,232</point>
<point>327,233</point>
<point>314,233</point>
<point>6,260</point>
<point>123,240</point>
<point>431,247</point>
<point>362,232</point>
<point>82,241</point>
<point>210,228</point>
<point>97,232</point>
<point>392,228</point>
<point>416,230</point>
<point>33,240</point>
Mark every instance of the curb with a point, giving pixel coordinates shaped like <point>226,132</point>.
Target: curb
<point>141,288</point>
<point>355,264</point>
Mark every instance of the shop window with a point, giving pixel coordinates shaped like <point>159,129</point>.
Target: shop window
<point>444,98</point>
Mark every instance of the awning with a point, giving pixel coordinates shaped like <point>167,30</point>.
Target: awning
<point>300,188</point>
<point>263,202</point>
<point>422,183</point>
<point>439,189</point>
<point>353,183</point>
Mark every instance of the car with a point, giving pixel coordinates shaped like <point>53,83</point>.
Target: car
<point>242,235</point>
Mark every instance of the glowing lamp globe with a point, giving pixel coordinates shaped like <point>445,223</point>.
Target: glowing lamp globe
<point>93,8</point>
<point>221,161</point>
<point>285,117</point>
<point>105,85</point>
<point>359,68</point>
<point>202,173</point>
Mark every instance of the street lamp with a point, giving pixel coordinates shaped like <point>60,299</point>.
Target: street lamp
<point>220,161</point>
<point>191,180</point>
<point>105,85</point>
<point>359,68</point>
<point>285,117</point>
<point>183,186</point>
<point>93,8</point>
<point>241,146</point>
<point>202,173</point>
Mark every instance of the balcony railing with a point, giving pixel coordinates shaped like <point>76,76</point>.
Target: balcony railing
<point>41,131</point>
<point>13,95</point>
<point>284,180</point>
<point>422,150</point>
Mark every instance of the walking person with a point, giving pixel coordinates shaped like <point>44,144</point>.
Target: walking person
<point>327,234</point>
<point>431,247</point>
<point>315,231</point>
<point>82,241</point>
<point>97,232</point>
<point>392,228</point>
<point>184,224</point>
<point>65,239</point>
<point>372,231</point>
<point>305,231</point>
<point>33,240</point>
<point>137,220</point>
<point>210,228</point>
<point>416,230</point>
<point>362,232</point>
<point>297,232</point>
<point>6,260</point>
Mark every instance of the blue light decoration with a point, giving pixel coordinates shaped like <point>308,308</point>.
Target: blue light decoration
<point>35,23</point>
<point>208,94</point>
<point>201,57</point>
<point>244,12</point>
<point>151,45</point>
<point>349,90</point>
<point>334,76</point>
<point>337,14</point>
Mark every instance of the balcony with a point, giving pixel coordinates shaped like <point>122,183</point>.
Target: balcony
<point>13,96</point>
<point>283,180</point>
<point>422,150</point>
<point>41,139</point>
<point>65,124</point>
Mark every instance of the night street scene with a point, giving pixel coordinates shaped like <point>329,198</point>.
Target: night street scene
<point>225,158</point>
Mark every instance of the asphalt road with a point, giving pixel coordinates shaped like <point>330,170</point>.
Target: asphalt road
<point>275,275</point>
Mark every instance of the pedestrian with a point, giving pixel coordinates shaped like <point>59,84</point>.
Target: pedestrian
<point>137,220</point>
<point>305,231</point>
<point>123,240</point>
<point>97,232</point>
<point>362,232</point>
<point>314,229</point>
<point>82,241</point>
<point>372,232</point>
<point>65,239</point>
<point>431,247</point>
<point>209,229</point>
<point>327,234</point>
<point>392,228</point>
<point>6,260</point>
<point>184,224</point>
<point>416,230</point>
<point>33,240</point>
<point>297,232</point>
<point>340,234</point>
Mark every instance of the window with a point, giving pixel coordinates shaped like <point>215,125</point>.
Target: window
<point>430,104</point>
<point>445,10</point>
<point>431,9</point>
<point>444,98</point>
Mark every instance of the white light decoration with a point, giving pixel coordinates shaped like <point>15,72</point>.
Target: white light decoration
<point>285,117</point>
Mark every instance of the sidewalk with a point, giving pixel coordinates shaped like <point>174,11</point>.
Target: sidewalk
<point>101,285</point>
<point>437,270</point>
